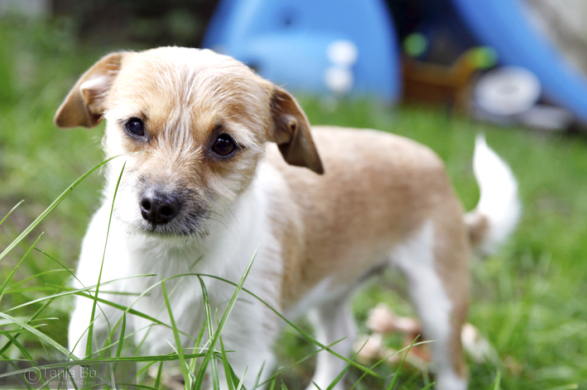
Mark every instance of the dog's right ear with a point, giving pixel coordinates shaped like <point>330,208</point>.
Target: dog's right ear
<point>84,105</point>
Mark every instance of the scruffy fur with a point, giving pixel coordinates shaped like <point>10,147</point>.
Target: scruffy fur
<point>323,207</point>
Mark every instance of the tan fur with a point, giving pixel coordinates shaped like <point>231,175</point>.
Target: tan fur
<point>376,191</point>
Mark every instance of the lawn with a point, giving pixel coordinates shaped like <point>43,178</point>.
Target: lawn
<point>529,300</point>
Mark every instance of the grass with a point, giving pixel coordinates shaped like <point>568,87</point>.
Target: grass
<point>528,300</point>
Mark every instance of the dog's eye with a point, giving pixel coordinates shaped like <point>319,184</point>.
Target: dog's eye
<point>135,126</point>
<point>224,145</point>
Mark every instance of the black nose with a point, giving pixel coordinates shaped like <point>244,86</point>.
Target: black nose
<point>158,207</point>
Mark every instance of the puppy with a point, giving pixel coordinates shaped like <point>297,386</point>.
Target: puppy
<point>221,163</point>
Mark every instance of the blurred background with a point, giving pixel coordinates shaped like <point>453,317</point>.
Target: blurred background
<point>437,71</point>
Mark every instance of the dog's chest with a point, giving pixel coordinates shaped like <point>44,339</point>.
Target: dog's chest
<point>184,292</point>
<point>187,268</point>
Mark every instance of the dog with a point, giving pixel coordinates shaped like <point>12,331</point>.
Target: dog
<point>220,164</point>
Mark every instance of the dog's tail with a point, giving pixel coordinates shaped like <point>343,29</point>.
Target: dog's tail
<point>498,211</point>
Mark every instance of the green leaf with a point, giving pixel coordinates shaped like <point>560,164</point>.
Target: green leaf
<point>396,375</point>
<point>231,303</point>
<point>227,368</point>
<point>51,207</point>
<point>33,317</point>
<point>18,345</point>
<point>175,335</point>
<point>3,287</point>
<point>10,212</point>
<point>298,329</point>
<point>91,329</point>
<point>40,335</point>
<point>497,382</point>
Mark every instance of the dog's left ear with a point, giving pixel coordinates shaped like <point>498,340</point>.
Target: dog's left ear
<point>291,132</point>
<point>84,105</point>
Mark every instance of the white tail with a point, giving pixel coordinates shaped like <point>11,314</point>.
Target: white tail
<point>498,211</point>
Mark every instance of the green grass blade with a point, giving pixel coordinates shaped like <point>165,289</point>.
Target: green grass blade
<point>175,288</point>
<point>51,207</point>
<point>62,265</point>
<point>40,335</point>
<point>210,328</point>
<point>18,345</point>
<point>176,335</point>
<point>339,376</point>
<point>297,363</point>
<point>396,375</point>
<point>91,329</point>
<point>496,385</point>
<point>127,309</point>
<point>10,212</point>
<point>122,333</point>
<point>33,317</point>
<point>11,363</point>
<point>428,386</point>
<point>12,288</point>
<point>139,372</point>
<point>120,342</point>
<point>198,341</point>
<point>298,329</point>
<point>383,360</point>
<point>231,303</point>
<point>242,381</point>
<point>259,374</point>
<point>372,367</point>
<point>158,379</point>
<point>3,287</point>
<point>74,291</point>
<point>227,368</point>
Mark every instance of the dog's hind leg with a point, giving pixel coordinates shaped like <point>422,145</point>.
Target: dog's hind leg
<point>334,324</point>
<point>435,265</point>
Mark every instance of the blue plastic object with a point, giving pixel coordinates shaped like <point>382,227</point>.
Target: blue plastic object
<point>503,25</point>
<point>286,41</point>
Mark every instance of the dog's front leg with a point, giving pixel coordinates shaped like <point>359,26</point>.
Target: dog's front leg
<point>334,324</point>
<point>104,329</point>
<point>96,267</point>
<point>249,335</point>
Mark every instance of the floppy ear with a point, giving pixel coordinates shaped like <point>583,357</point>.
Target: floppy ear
<point>291,132</point>
<point>84,105</point>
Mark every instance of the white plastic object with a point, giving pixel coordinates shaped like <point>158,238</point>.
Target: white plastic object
<point>507,91</point>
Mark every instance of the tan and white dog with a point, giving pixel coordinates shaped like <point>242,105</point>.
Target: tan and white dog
<point>230,165</point>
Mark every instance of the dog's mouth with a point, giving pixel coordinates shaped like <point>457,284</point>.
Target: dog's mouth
<point>184,225</point>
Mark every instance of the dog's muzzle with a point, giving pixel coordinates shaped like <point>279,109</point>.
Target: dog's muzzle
<point>158,207</point>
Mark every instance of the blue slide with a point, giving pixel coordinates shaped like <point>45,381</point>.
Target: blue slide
<point>503,25</point>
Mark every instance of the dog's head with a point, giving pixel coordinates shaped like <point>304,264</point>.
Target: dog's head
<point>199,122</point>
